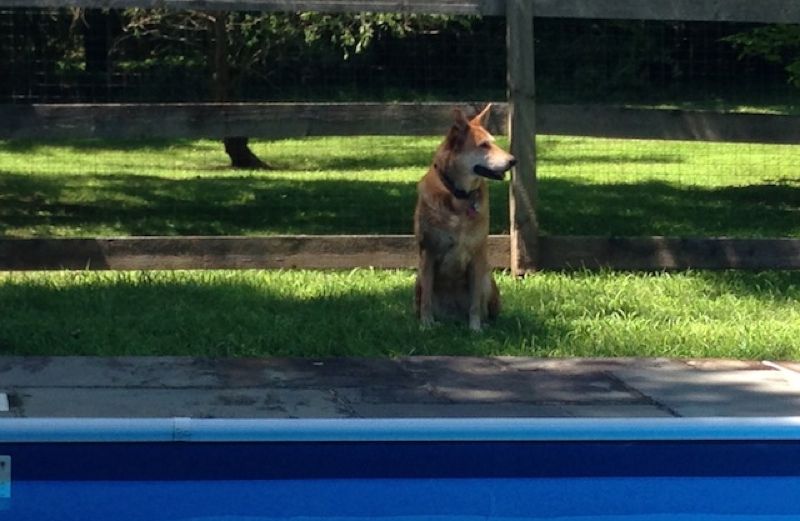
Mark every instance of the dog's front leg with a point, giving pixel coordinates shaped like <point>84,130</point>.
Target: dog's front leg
<point>425,289</point>
<point>477,299</point>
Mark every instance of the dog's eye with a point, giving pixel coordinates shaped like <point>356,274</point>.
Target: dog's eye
<point>485,144</point>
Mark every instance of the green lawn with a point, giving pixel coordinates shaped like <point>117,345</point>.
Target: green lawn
<point>367,185</point>
<point>368,313</point>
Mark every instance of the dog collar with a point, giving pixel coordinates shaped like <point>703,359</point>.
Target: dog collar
<point>457,192</point>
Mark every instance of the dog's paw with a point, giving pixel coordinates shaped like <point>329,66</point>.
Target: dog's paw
<point>475,325</point>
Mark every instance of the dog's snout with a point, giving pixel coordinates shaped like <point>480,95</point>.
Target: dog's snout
<point>512,162</point>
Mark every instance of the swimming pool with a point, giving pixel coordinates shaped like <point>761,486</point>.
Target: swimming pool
<point>185,469</point>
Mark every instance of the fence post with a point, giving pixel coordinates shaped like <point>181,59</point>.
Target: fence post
<point>522,132</point>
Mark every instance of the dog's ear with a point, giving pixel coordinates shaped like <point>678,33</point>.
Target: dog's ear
<point>482,117</point>
<point>458,132</point>
<point>460,120</point>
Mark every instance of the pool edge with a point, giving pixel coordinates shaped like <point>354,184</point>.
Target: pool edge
<point>42,430</point>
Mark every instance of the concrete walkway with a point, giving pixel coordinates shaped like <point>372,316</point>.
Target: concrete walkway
<point>404,387</point>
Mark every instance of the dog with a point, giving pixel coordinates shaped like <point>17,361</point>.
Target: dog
<point>451,226</point>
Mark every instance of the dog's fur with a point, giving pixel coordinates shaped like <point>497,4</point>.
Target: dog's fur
<point>451,225</point>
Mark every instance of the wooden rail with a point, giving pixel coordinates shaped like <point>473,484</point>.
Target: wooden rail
<point>388,251</point>
<point>288,120</point>
<point>284,120</point>
<point>297,251</point>
<point>762,11</point>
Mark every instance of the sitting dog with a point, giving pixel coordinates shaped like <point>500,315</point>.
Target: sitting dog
<point>451,226</point>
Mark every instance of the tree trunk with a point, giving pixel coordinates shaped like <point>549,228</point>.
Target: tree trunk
<point>96,43</point>
<point>236,147</point>
<point>241,155</point>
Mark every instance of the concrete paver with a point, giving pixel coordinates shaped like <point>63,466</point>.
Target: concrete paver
<point>402,387</point>
<point>689,392</point>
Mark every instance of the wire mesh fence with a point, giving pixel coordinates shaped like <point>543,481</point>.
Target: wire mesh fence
<point>138,55</point>
<point>366,184</point>
<point>597,186</point>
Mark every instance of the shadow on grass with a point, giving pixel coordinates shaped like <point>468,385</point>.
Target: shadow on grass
<point>569,207</point>
<point>255,313</point>
<point>150,205</point>
<point>775,285</point>
<point>241,205</point>
<point>209,315</point>
<point>364,153</point>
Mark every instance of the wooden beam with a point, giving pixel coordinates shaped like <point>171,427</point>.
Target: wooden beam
<point>388,251</point>
<point>760,11</point>
<point>219,120</point>
<point>449,7</point>
<point>283,120</point>
<point>522,133</point>
<point>668,253</point>
<point>172,253</point>
<point>692,125</point>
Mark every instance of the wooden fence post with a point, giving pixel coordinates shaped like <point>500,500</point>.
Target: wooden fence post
<point>522,133</point>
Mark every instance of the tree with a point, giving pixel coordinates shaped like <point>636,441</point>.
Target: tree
<point>235,46</point>
<point>775,43</point>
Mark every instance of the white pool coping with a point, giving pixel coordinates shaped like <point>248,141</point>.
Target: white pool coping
<point>60,430</point>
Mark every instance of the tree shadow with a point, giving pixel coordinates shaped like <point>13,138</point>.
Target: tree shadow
<point>575,207</point>
<point>234,314</point>
<point>213,205</point>
<point>768,286</point>
<point>270,313</point>
<point>237,204</point>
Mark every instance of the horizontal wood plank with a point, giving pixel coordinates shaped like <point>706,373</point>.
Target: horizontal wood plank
<point>763,11</point>
<point>388,251</point>
<point>219,120</point>
<point>668,253</point>
<point>285,120</point>
<point>673,124</point>
<point>449,7</point>
<point>171,253</point>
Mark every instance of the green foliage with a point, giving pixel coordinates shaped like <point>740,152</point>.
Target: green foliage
<point>608,60</point>
<point>775,43</point>
<point>258,44</point>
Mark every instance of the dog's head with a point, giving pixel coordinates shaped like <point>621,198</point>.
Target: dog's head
<point>472,150</point>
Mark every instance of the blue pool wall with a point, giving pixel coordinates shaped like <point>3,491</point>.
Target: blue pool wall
<point>189,449</point>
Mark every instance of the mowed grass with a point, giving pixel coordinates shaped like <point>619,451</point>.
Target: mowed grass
<point>368,313</point>
<point>367,185</point>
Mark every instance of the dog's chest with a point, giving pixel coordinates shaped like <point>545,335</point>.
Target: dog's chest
<point>455,245</point>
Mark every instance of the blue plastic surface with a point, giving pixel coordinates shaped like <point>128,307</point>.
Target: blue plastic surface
<point>182,469</point>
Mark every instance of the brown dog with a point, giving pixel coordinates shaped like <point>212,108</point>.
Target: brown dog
<point>451,225</point>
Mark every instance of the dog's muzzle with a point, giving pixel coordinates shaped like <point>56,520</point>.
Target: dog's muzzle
<point>488,173</point>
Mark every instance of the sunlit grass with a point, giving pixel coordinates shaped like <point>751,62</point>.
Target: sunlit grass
<point>368,313</point>
<point>587,186</point>
<point>367,185</point>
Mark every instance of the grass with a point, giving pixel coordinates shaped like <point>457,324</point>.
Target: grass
<point>368,313</point>
<point>367,185</point>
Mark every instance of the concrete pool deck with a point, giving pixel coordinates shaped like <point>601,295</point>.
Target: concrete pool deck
<point>401,387</point>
